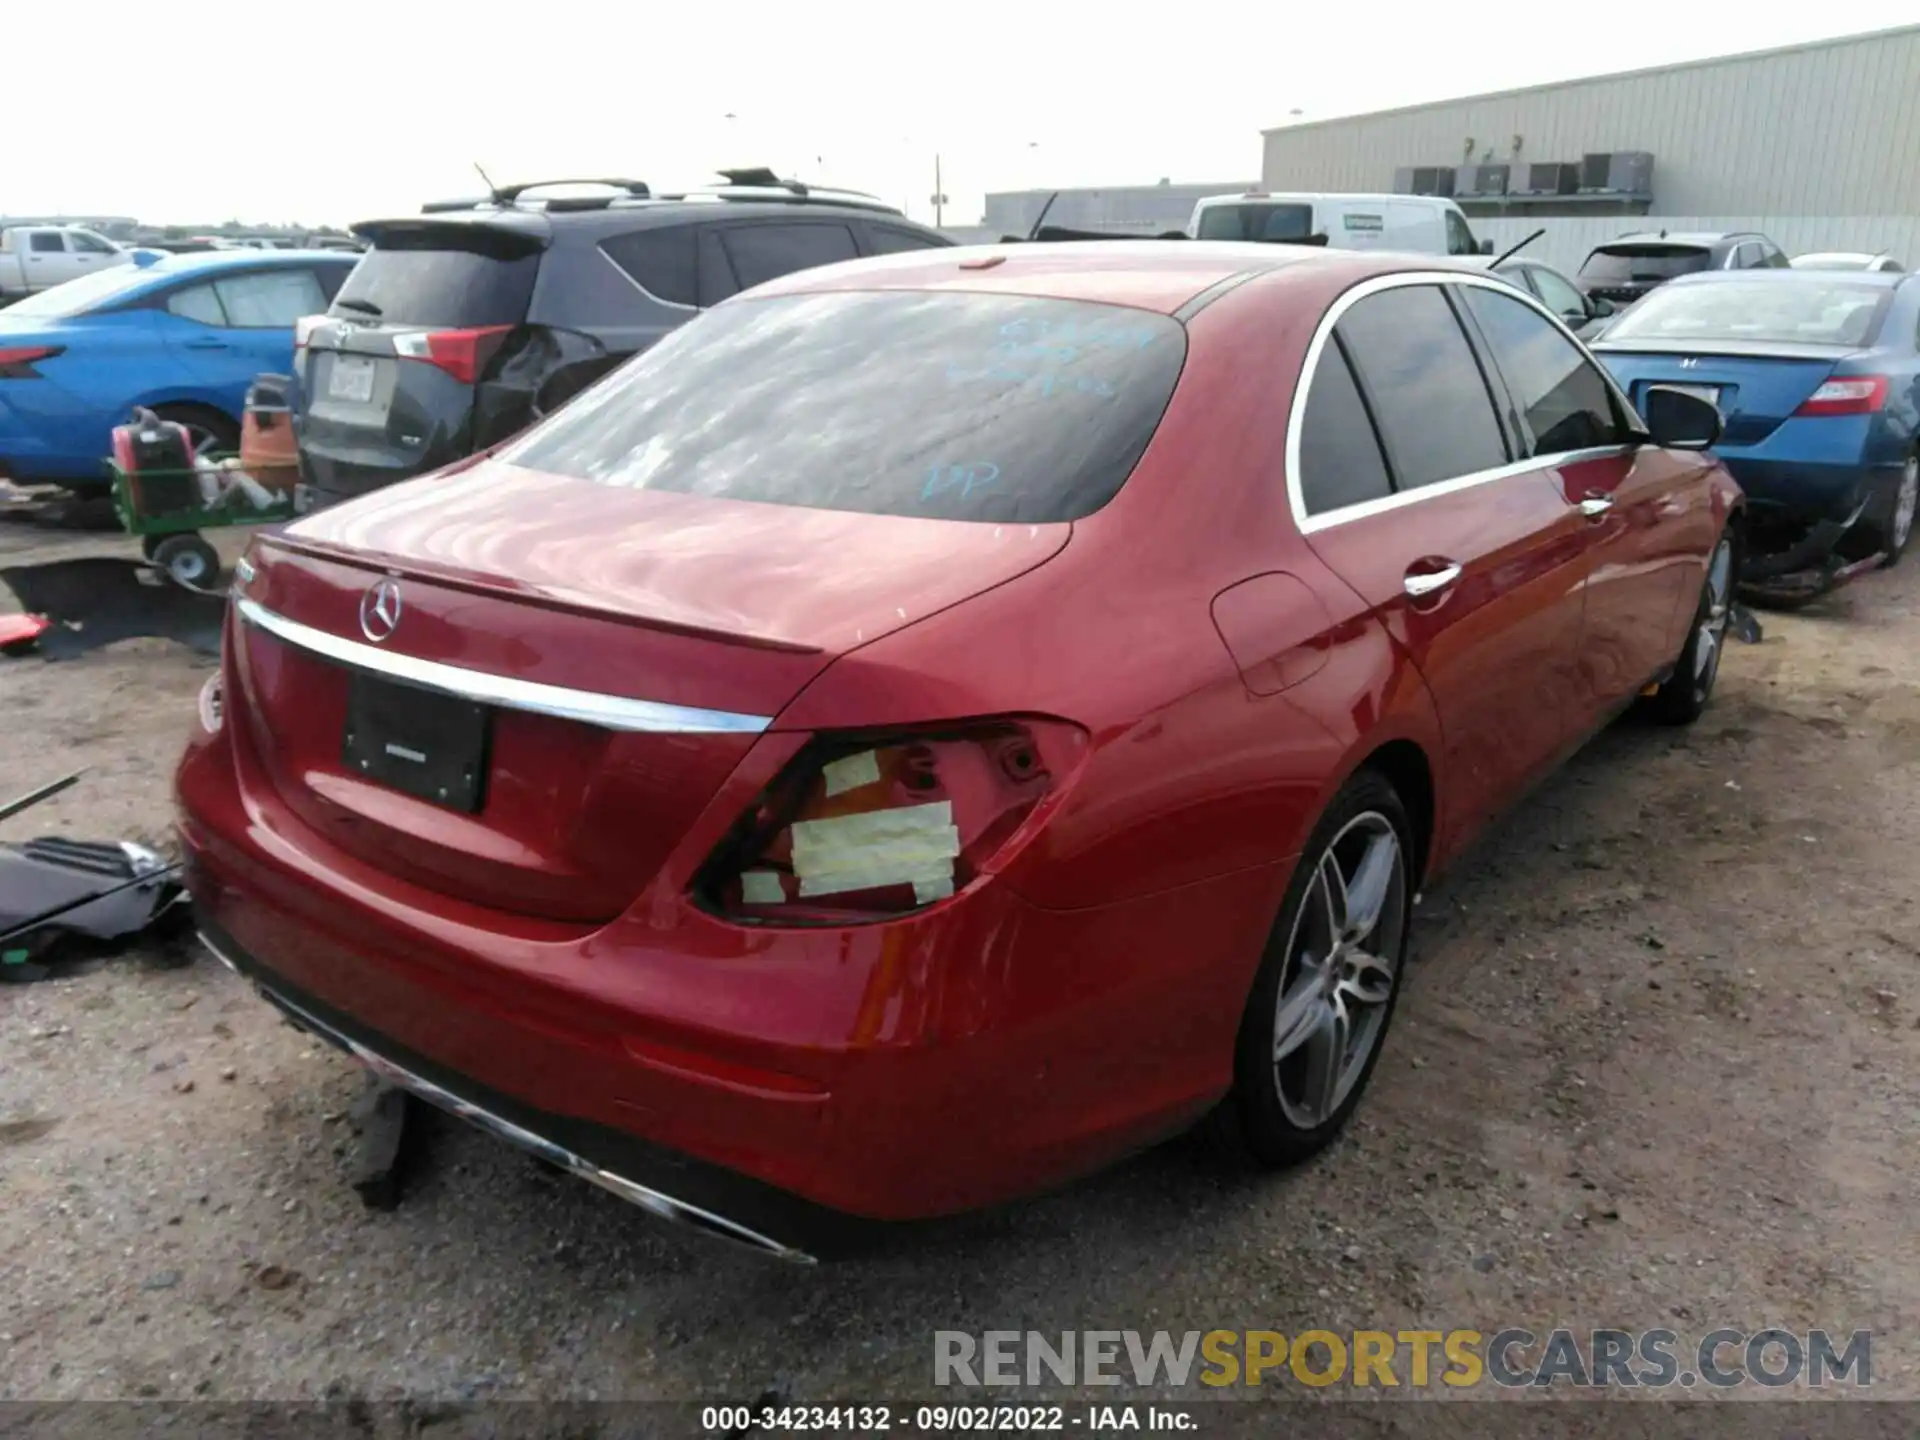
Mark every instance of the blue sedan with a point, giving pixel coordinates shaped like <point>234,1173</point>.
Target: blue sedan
<point>1817,376</point>
<point>183,335</point>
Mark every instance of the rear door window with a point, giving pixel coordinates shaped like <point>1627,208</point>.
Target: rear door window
<point>992,408</point>
<point>46,242</point>
<point>425,279</point>
<point>766,252</point>
<point>1559,392</point>
<point>1340,459</point>
<point>270,299</point>
<point>717,280</point>
<point>663,261</point>
<point>1424,385</point>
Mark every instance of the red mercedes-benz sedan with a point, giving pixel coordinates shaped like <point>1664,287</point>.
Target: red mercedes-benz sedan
<point>935,724</point>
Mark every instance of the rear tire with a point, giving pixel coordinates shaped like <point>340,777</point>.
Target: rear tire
<point>1327,985</point>
<point>1684,696</point>
<point>212,432</point>
<point>1891,538</point>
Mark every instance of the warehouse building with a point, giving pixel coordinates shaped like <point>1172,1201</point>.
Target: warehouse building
<point>1816,145</point>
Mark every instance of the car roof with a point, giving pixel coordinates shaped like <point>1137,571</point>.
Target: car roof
<point>195,262</point>
<point>1702,238</point>
<point>541,223</point>
<point>1161,275</point>
<point>1865,257</point>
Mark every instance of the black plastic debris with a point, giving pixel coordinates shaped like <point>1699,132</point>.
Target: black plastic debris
<point>1743,624</point>
<point>56,892</point>
<point>384,1123</point>
<point>97,600</point>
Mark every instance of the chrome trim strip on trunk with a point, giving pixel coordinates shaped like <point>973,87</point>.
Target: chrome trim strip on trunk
<point>609,712</point>
<point>654,1202</point>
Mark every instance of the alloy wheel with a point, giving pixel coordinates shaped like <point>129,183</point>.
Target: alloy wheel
<point>1905,501</point>
<point>1713,619</point>
<point>1342,960</point>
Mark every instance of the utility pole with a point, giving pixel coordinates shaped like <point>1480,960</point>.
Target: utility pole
<point>939,194</point>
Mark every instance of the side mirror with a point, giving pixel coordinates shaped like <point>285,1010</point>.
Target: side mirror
<point>1680,421</point>
<point>1486,247</point>
<point>1600,309</point>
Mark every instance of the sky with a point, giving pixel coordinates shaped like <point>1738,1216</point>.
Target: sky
<point>331,112</point>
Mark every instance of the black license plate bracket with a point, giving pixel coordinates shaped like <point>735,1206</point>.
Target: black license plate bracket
<point>424,743</point>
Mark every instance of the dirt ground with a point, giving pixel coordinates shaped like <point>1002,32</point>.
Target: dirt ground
<point>1656,1066</point>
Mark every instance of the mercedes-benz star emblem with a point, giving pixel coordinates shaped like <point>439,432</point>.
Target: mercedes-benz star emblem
<point>380,610</point>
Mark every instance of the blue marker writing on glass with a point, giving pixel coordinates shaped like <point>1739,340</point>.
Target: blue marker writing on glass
<point>965,478</point>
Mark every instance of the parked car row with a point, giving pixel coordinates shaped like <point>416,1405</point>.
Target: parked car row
<point>457,328</point>
<point>841,763</point>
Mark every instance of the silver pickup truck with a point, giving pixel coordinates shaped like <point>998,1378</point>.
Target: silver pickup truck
<point>38,257</point>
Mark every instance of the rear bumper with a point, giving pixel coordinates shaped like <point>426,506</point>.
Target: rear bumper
<point>1805,489</point>
<point>35,449</point>
<point>778,1082</point>
<point>669,1186</point>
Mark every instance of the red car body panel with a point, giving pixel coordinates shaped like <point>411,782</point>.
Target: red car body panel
<point>1081,996</point>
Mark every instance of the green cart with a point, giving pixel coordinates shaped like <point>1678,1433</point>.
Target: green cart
<point>165,509</point>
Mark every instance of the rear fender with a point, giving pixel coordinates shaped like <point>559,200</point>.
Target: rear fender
<point>538,370</point>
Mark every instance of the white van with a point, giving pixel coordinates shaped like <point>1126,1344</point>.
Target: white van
<point>1423,224</point>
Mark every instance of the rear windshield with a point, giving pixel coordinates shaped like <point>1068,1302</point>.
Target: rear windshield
<point>1623,264</point>
<point>993,408</point>
<point>1255,221</point>
<point>1780,311</point>
<point>422,285</point>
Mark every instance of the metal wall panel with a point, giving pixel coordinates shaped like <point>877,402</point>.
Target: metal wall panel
<point>1831,128</point>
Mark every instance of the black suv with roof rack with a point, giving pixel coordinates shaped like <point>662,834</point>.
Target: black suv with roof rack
<point>467,322</point>
<point>1624,270</point>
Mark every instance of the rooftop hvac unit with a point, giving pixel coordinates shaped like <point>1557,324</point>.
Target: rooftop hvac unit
<point>1631,172</point>
<point>1432,180</point>
<point>1556,178</point>
<point>1488,180</point>
<point>1617,172</point>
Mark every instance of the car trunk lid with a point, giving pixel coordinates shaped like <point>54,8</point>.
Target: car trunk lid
<point>625,646</point>
<point>1757,386</point>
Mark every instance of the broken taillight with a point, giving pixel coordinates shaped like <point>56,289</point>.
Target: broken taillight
<point>463,354</point>
<point>863,827</point>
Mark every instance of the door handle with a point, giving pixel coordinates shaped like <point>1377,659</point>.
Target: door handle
<point>1595,505</point>
<point>206,344</point>
<point>1428,582</point>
